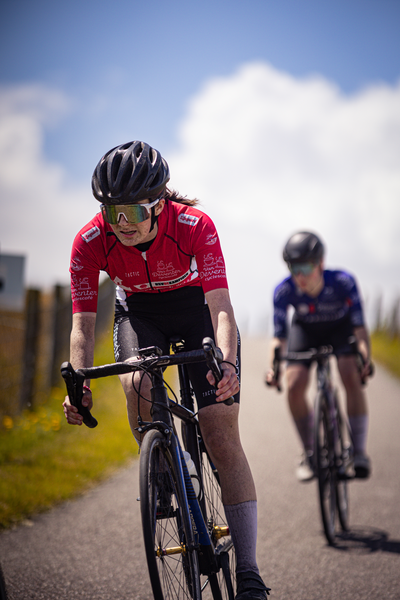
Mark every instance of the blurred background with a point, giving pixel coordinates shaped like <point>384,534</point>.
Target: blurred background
<point>278,115</point>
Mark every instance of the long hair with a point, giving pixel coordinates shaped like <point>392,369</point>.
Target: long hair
<point>176,197</point>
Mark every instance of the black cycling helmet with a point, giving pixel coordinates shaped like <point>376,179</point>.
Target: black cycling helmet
<point>129,173</point>
<point>303,247</point>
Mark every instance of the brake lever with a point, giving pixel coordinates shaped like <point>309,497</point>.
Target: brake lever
<point>214,356</point>
<point>74,382</point>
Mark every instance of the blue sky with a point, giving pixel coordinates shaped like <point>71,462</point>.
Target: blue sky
<point>78,78</point>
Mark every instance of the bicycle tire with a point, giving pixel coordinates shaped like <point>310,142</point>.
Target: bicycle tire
<point>325,467</point>
<point>215,585</point>
<point>214,515</point>
<point>173,568</point>
<point>3,590</point>
<point>345,450</point>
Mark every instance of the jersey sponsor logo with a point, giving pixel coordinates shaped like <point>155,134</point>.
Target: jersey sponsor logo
<point>189,275</point>
<point>81,289</point>
<point>212,239</point>
<point>214,267</point>
<point>188,219</point>
<point>212,262</point>
<point>302,309</point>
<point>76,264</point>
<point>88,236</point>
<point>165,270</point>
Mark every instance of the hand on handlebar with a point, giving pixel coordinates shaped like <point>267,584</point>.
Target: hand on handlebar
<point>271,380</point>
<point>229,384</point>
<point>71,412</point>
<point>366,370</point>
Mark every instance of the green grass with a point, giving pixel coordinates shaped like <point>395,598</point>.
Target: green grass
<point>45,461</point>
<point>386,350</point>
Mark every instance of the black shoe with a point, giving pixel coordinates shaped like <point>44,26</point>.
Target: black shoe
<point>250,586</point>
<point>362,466</point>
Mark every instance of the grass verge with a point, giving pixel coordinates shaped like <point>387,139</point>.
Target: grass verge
<point>386,350</point>
<point>45,461</point>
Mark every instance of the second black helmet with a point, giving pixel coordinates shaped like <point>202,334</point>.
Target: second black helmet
<point>303,247</point>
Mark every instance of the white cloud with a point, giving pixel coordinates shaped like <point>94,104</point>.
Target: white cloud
<point>41,210</point>
<point>265,152</point>
<point>269,154</point>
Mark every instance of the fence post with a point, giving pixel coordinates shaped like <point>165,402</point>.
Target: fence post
<point>61,329</point>
<point>394,320</point>
<point>30,350</point>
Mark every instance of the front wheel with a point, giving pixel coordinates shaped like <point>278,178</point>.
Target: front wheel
<point>3,592</point>
<point>173,566</point>
<point>223,582</point>
<point>325,467</point>
<point>345,453</point>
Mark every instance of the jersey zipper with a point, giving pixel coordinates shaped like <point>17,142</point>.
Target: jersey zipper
<point>147,269</point>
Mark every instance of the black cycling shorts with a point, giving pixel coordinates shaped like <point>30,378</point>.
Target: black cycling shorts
<point>303,336</point>
<point>153,319</point>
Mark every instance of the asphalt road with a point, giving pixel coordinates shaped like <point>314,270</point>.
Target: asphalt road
<point>91,548</point>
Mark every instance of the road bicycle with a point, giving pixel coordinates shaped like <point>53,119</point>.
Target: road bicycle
<point>189,550</point>
<point>333,445</point>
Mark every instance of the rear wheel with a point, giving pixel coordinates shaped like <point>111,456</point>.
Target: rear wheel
<point>173,566</point>
<point>325,467</point>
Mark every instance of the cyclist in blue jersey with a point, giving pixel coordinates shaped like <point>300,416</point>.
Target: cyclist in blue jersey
<point>327,310</point>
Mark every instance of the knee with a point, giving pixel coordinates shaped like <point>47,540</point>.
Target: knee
<point>297,381</point>
<point>139,383</point>
<point>220,435</point>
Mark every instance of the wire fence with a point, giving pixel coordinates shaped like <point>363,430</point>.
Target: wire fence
<point>34,343</point>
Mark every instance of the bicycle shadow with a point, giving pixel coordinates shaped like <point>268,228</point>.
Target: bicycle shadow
<point>366,540</point>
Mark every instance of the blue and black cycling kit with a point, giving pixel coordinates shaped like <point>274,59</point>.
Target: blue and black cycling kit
<point>329,318</point>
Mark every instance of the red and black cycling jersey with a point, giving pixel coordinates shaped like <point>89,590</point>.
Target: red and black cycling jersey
<point>185,252</point>
<point>338,298</point>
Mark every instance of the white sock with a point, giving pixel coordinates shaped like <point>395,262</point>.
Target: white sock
<point>359,431</point>
<point>242,522</point>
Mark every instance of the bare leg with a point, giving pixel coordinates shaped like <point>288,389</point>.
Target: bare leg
<point>356,402</point>
<point>142,382</point>
<point>297,379</point>
<point>220,430</point>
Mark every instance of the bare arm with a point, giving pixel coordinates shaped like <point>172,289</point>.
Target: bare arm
<point>275,343</point>
<point>81,355</point>
<point>225,331</point>
<point>363,343</point>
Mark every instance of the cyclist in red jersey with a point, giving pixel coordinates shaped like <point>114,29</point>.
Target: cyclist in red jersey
<point>327,311</point>
<point>165,258</point>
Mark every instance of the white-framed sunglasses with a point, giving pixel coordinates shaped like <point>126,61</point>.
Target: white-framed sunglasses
<point>133,213</point>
